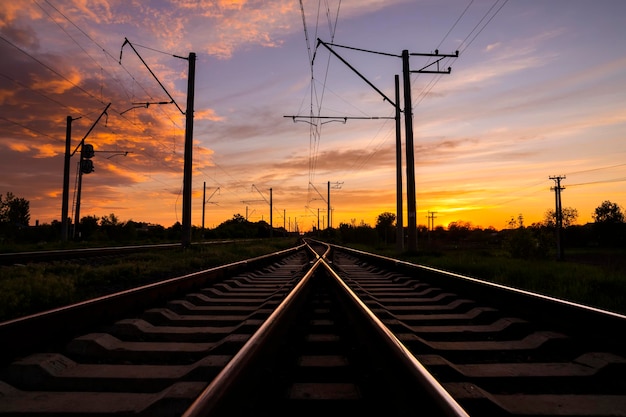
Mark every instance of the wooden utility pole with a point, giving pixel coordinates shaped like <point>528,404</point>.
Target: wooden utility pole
<point>558,213</point>
<point>431,220</point>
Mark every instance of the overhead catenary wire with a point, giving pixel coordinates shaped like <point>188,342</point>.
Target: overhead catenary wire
<point>107,54</point>
<point>78,86</point>
<point>316,98</point>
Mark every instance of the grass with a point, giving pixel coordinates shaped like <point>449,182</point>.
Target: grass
<point>591,277</point>
<point>33,288</point>
<point>595,278</point>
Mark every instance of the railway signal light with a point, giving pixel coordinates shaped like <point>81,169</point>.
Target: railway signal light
<point>86,153</point>
<point>86,166</point>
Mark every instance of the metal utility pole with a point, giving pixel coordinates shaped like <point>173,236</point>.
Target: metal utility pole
<point>408,119</point>
<point>410,159</point>
<point>558,213</point>
<point>206,200</point>
<point>66,181</point>
<point>188,163</point>
<point>399,210</point>
<point>81,146</point>
<point>271,215</point>
<point>327,208</point>
<point>318,221</point>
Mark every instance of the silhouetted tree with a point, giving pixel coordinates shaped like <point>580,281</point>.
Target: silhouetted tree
<point>88,227</point>
<point>14,210</point>
<point>569,217</point>
<point>609,226</point>
<point>385,226</point>
<point>608,212</point>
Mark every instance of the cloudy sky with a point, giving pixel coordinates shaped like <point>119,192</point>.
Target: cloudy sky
<point>538,90</point>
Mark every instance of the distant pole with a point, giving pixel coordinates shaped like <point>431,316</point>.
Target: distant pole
<point>271,214</point>
<point>203,203</point>
<point>327,205</point>
<point>318,220</point>
<point>399,213</point>
<point>410,158</point>
<point>188,163</point>
<point>558,214</point>
<point>66,181</point>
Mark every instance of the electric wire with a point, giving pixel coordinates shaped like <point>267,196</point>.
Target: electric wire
<point>49,68</point>
<point>108,55</point>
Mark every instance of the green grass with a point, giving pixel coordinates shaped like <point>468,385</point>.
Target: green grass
<point>33,288</point>
<point>591,277</point>
<point>595,278</point>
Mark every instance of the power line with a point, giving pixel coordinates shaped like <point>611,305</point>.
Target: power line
<point>18,83</point>
<point>599,182</point>
<point>108,55</point>
<point>29,128</point>
<point>596,169</point>
<point>49,68</point>
<point>462,48</point>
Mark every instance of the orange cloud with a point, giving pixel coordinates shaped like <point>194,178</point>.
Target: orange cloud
<point>19,147</point>
<point>46,150</point>
<point>208,114</point>
<point>56,85</point>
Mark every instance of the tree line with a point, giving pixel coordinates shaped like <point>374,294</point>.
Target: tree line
<point>520,240</point>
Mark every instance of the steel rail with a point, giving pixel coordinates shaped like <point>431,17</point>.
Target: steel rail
<point>442,398</point>
<point>58,254</point>
<point>31,331</point>
<point>210,399</point>
<point>567,315</point>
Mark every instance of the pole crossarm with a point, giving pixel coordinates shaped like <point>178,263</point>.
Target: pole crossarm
<point>425,70</point>
<point>212,194</point>
<point>145,105</point>
<point>260,193</point>
<point>343,119</point>
<point>114,153</point>
<point>317,191</point>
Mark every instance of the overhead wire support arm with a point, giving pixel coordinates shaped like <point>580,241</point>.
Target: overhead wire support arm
<point>90,129</point>
<point>126,41</point>
<point>425,70</point>
<point>327,46</point>
<point>343,119</point>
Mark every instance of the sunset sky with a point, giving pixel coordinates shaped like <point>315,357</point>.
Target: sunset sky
<point>538,90</point>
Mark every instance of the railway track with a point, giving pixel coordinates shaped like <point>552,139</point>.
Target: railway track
<point>90,253</point>
<point>309,331</point>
